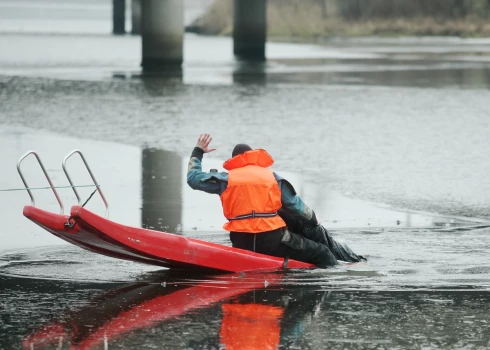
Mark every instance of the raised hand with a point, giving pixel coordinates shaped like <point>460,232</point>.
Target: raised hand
<point>203,142</point>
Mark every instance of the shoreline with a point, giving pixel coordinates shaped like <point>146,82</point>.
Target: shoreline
<point>319,20</point>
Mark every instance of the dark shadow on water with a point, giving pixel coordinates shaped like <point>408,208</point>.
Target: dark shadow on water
<point>462,78</point>
<point>384,72</point>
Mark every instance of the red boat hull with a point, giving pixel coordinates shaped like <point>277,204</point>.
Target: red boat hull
<point>106,237</point>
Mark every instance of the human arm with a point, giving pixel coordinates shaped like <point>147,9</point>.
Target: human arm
<point>293,205</point>
<point>197,179</point>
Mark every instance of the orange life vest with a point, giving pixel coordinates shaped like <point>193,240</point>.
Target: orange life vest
<point>252,197</point>
<point>250,327</point>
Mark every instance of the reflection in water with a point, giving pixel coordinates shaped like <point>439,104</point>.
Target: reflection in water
<point>250,311</point>
<point>267,319</point>
<point>161,190</point>
<point>252,325</point>
<point>154,80</point>
<point>248,316</point>
<point>250,72</point>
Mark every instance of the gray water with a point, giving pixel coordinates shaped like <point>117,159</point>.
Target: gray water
<point>386,139</point>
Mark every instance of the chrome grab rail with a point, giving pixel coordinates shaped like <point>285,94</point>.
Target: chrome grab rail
<point>91,175</point>
<point>33,203</point>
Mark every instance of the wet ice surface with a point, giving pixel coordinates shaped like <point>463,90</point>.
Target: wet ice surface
<point>429,260</point>
<point>367,306</point>
<point>419,288</point>
<point>401,122</point>
<point>413,148</point>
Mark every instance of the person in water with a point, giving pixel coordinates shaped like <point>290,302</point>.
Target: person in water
<point>258,203</point>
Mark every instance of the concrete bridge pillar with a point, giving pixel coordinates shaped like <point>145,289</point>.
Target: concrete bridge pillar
<point>136,17</point>
<point>118,16</point>
<point>249,29</point>
<point>162,30</point>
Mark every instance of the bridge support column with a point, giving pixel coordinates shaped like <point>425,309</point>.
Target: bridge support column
<point>118,16</point>
<point>249,29</point>
<point>162,30</point>
<point>136,17</point>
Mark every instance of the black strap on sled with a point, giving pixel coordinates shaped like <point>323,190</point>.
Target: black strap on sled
<point>285,265</point>
<point>253,215</point>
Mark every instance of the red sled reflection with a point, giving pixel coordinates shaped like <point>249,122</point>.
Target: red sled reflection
<point>251,315</point>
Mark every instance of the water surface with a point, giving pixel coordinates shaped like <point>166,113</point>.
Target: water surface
<point>385,138</point>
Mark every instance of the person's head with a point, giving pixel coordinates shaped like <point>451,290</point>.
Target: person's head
<point>240,149</point>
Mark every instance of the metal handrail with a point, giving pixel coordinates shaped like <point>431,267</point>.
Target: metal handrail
<point>33,203</point>
<point>91,175</point>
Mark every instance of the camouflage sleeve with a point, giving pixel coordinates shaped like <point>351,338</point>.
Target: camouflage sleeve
<point>199,180</point>
<point>293,204</point>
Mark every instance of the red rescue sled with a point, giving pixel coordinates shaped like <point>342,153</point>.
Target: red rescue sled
<point>99,235</point>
